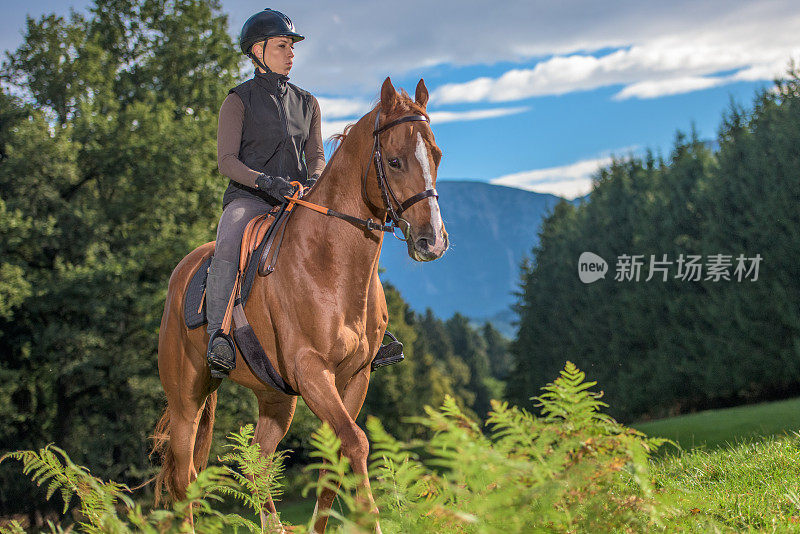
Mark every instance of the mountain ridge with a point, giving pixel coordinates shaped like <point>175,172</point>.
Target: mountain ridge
<point>491,228</point>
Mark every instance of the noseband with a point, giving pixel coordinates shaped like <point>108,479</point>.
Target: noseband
<point>389,198</point>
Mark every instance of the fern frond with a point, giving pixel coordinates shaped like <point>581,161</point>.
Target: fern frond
<point>256,475</point>
<point>52,466</point>
<point>568,399</point>
<point>12,528</point>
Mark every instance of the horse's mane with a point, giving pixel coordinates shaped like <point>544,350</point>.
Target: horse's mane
<point>404,105</point>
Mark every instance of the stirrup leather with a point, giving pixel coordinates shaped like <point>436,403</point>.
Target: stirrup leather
<point>388,354</point>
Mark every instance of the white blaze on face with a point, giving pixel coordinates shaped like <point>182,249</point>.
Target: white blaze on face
<point>422,156</point>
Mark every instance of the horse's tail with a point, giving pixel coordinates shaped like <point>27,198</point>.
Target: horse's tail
<point>165,479</point>
<point>202,441</point>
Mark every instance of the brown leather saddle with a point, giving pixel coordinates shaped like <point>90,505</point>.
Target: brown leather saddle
<point>261,244</point>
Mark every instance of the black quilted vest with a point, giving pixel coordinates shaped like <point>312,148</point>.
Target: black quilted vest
<point>277,119</point>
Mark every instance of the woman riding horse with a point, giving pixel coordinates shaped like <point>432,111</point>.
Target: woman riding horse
<point>320,336</point>
<point>266,126</point>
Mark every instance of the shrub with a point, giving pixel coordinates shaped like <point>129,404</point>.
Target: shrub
<point>106,507</point>
<point>571,469</point>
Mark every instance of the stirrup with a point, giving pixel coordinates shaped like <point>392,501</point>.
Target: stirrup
<point>388,354</point>
<point>221,364</point>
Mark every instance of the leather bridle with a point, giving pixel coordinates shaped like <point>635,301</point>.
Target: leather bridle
<point>394,214</point>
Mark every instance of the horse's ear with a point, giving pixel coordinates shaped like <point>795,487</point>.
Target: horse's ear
<point>421,95</point>
<point>388,96</point>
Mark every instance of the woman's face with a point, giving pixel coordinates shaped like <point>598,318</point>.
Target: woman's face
<point>278,53</point>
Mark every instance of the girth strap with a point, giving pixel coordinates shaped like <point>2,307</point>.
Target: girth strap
<point>254,354</point>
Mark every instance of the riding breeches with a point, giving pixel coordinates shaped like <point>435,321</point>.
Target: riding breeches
<point>225,265</point>
<point>232,223</point>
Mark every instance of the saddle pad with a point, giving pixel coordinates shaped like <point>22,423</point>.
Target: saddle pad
<point>194,303</point>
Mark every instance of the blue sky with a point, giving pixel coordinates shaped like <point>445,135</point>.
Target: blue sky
<point>529,94</point>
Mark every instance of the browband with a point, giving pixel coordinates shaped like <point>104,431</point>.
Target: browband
<point>407,118</point>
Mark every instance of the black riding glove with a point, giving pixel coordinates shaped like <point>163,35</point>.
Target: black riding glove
<point>311,181</point>
<point>275,186</point>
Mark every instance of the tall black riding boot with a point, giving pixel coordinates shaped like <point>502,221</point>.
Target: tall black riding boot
<point>388,354</point>
<point>221,352</point>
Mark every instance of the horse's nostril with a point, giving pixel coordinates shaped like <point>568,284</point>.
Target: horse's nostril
<point>423,243</point>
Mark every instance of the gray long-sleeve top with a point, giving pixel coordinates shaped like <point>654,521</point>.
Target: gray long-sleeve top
<point>229,138</point>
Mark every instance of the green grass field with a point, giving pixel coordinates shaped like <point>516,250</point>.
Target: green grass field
<point>739,470</point>
<point>716,428</point>
<point>751,487</point>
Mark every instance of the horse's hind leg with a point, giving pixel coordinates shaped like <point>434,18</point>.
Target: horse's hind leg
<point>274,418</point>
<point>190,405</point>
<point>184,421</point>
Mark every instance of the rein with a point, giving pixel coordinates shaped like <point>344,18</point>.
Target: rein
<point>394,214</point>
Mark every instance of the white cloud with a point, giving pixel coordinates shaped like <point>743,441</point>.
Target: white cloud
<point>671,86</point>
<point>437,117</point>
<point>667,66</point>
<point>350,49</point>
<point>336,108</point>
<point>330,128</point>
<point>686,84</point>
<point>763,71</point>
<point>567,181</point>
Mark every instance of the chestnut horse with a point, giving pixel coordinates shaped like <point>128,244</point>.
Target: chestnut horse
<point>321,315</point>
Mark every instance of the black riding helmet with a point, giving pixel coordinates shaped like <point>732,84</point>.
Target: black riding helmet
<point>263,25</point>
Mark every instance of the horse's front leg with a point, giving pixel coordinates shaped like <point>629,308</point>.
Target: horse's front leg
<point>318,388</point>
<point>353,398</point>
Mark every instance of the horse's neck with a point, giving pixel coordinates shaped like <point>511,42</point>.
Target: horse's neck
<point>353,254</point>
<point>339,186</point>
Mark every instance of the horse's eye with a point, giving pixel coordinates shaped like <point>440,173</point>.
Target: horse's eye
<point>394,163</point>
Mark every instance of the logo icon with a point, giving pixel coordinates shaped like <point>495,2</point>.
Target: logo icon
<point>591,267</point>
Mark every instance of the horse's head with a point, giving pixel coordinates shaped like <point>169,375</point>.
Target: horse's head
<point>410,159</point>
